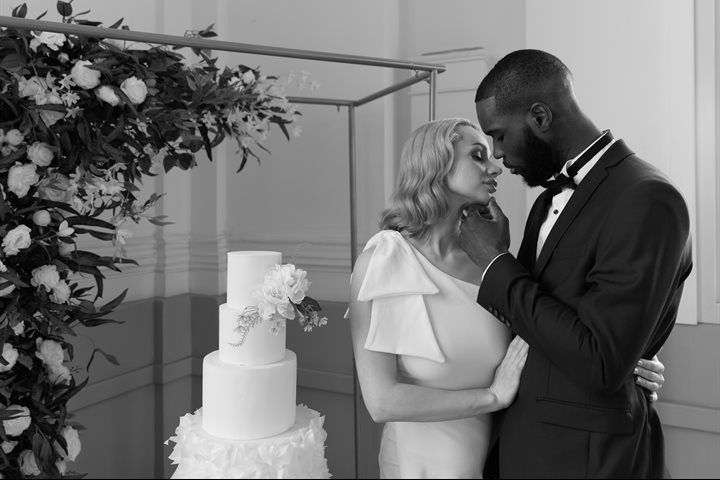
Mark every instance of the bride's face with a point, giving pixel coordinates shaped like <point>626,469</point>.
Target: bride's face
<point>472,176</point>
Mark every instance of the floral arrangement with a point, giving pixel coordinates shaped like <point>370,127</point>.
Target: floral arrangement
<point>281,296</point>
<point>82,121</point>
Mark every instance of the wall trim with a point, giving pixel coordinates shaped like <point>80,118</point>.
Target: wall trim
<point>689,417</point>
<point>675,415</point>
<point>150,375</point>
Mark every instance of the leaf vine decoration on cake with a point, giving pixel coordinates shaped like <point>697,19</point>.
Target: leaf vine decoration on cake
<point>245,321</point>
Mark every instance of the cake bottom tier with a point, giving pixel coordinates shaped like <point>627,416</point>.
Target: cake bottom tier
<point>297,453</point>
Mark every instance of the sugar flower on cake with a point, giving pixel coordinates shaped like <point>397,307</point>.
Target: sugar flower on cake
<point>282,296</point>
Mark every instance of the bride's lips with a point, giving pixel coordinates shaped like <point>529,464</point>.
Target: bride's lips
<point>492,184</point>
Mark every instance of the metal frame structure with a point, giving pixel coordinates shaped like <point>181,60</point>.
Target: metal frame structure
<point>423,72</point>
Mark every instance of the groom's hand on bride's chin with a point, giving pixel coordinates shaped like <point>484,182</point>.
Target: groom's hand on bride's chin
<point>484,233</point>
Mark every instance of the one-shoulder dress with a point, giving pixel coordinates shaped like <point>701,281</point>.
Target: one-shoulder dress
<point>442,339</point>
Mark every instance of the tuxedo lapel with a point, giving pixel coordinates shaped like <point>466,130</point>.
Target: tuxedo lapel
<point>580,197</point>
<point>527,252</point>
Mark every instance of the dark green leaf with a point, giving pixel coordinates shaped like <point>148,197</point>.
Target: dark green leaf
<point>110,306</point>
<point>116,24</point>
<point>64,8</point>
<point>20,11</point>
<point>109,358</point>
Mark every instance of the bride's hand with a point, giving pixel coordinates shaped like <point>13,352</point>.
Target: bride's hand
<point>650,376</point>
<point>507,375</point>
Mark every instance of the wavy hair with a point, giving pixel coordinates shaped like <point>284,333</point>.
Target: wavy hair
<point>421,194</point>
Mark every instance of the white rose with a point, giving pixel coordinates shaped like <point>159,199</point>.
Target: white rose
<point>16,426</point>
<point>50,117</point>
<point>40,154</point>
<point>16,239</point>
<point>41,218</point>
<point>8,445</point>
<point>59,374</point>
<point>51,39</point>
<point>46,276</point>
<point>63,57</point>
<point>60,293</point>
<point>55,187</point>
<point>84,77</point>
<point>65,249</point>
<point>107,94</point>
<point>248,77</point>
<point>7,290</point>
<point>10,354</point>
<point>10,288</point>
<point>135,89</point>
<point>21,178</point>
<point>29,87</point>
<point>28,464</point>
<point>73,444</point>
<point>14,137</point>
<point>50,352</point>
<point>19,329</point>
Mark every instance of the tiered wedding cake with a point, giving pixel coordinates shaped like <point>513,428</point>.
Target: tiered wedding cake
<point>249,425</point>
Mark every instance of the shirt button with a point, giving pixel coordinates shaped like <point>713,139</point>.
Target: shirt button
<point>555,211</point>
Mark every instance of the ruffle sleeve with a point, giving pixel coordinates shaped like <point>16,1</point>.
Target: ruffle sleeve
<point>396,283</point>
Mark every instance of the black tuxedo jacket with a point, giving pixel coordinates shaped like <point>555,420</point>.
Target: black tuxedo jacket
<point>603,293</point>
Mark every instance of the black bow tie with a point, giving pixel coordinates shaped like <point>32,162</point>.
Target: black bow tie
<point>566,181</point>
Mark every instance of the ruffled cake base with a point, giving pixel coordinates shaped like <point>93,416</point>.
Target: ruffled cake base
<point>297,453</point>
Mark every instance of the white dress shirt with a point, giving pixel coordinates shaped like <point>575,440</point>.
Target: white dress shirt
<point>561,199</point>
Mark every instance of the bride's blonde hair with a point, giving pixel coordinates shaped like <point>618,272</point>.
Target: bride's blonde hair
<point>421,193</point>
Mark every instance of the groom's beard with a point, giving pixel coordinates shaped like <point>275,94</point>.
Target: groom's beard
<point>540,161</point>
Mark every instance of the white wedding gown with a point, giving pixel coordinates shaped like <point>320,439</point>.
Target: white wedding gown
<point>442,339</point>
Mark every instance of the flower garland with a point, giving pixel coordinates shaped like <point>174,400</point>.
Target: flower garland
<point>82,121</point>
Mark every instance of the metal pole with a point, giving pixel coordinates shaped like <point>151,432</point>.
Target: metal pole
<point>433,93</point>
<point>321,101</point>
<point>353,256</point>
<point>393,88</point>
<point>194,42</point>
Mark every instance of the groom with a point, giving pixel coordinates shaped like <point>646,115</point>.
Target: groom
<point>595,285</point>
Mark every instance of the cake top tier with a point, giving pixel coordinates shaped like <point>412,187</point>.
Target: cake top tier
<point>245,272</point>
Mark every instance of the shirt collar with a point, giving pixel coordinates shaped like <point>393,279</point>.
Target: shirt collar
<point>591,163</point>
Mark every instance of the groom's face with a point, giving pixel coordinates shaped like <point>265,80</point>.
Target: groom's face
<point>520,149</point>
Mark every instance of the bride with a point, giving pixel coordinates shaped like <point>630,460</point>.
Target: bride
<point>433,364</point>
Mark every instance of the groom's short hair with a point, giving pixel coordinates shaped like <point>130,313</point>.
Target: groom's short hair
<point>519,76</point>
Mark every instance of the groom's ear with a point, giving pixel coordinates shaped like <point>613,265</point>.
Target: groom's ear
<point>539,118</point>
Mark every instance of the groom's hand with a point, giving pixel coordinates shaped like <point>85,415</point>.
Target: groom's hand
<point>484,234</point>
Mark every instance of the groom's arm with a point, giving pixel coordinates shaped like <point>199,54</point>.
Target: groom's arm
<point>631,288</point>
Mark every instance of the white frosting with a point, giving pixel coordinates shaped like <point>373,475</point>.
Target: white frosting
<point>248,402</point>
<point>296,453</point>
<point>259,347</point>
<point>245,271</point>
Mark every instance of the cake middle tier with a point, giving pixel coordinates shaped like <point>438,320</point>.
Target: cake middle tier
<point>244,402</point>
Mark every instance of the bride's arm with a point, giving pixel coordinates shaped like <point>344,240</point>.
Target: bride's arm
<point>389,400</point>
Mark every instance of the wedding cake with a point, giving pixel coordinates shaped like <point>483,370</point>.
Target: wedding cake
<point>249,425</point>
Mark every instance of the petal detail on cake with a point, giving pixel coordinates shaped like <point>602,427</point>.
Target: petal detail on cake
<point>396,282</point>
<point>298,453</point>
